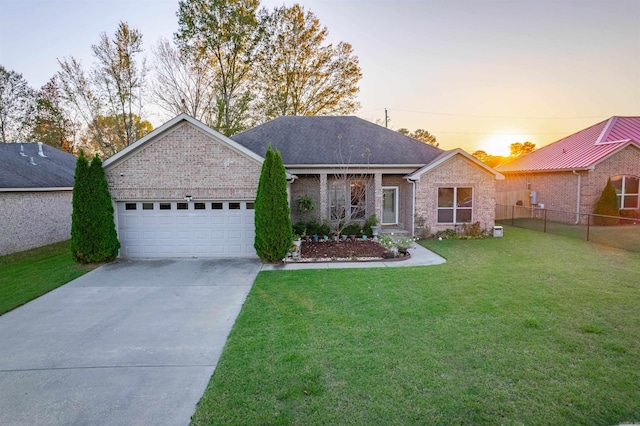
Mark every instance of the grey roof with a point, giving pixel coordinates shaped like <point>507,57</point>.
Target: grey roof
<point>56,170</point>
<point>335,140</point>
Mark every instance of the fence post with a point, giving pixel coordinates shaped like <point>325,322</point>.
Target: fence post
<point>512,210</point>
<point>545,220</point>
<point>588,223</point>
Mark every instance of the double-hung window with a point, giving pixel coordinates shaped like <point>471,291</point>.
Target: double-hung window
<point>455,205</point>
<point>627,191</point>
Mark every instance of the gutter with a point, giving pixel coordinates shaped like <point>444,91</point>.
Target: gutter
<point>578,197</point>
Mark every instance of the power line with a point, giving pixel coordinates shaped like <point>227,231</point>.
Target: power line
<point>489,116</point>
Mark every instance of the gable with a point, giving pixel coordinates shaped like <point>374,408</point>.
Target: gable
<point>456,158</point>
<point>184,160</point>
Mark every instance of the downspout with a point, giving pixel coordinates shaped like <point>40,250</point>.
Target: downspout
<point>577,198</point>
<point>413,207</point>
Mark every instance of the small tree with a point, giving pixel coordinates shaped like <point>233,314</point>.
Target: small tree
<point>607,205</point>
<point>93,233</point>
<point>272,216</point>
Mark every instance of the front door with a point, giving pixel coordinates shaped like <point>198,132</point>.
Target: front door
<point>389,205</point>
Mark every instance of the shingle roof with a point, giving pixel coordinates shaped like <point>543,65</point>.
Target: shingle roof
<point>31,170</point>
<point>580,150</point>
<point>335,140</point>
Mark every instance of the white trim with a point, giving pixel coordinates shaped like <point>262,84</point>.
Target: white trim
<point>455,205</point>
<point>52,189</point>
<point>448,155</point>
<point>169,125</point>
<point>397,191</point>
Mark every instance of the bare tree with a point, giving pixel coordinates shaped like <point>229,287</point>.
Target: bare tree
<point>184,83</point>
<point>17,104</point>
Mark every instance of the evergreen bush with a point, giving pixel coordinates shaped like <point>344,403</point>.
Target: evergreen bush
<point>607,205</point>
<point>272,215</point>
<point>93,232</point>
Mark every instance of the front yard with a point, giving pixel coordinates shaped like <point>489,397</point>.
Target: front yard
<point>32,273</point>
<point>527,329</point>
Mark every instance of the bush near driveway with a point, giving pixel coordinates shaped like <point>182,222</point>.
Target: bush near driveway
<point>530,328</point>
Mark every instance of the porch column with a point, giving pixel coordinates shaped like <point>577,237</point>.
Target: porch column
<point>377,185</point>
<point>324,198</point>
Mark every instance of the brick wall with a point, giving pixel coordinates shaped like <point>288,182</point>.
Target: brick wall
<point>456,172</point>
<point>33,219</point>
<point>305,185</point>
<point>185,161</point>
<point>558,190</point>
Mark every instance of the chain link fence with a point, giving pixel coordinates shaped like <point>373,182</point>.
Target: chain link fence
<point>621,232</point>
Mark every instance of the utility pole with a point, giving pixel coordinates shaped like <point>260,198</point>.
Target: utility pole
<point>386,119</point>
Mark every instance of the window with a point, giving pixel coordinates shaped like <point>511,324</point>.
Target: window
<point>358,199</point>
<point>183,206</point>
<point>147,206</point>
<point>250,206</point>
<point>234,206</point>
<point>627,191</point>
<point>165,206</point>
<point>455,205</point>
<point>130,206</point>
<point>216,206</point>
<point>199,206</point>
<point>337,199</point>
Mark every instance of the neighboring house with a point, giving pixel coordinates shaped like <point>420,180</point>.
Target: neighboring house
<point>186,190</point>
<point>36,184</point>
<point>570,174</point>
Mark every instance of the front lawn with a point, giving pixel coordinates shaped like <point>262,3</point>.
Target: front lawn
<point>527,329</point>
<point>32,273</point>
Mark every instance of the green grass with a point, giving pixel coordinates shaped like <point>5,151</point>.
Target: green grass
<point>626,237</point>
<point>29,274</point>
<point>527,329</point>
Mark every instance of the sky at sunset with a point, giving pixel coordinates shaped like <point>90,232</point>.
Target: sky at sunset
<point>477,74</point>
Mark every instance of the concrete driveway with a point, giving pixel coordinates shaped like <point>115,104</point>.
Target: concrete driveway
<point>130,343</point>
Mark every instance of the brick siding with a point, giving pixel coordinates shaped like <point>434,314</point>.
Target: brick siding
<point>558,190</point>
<point>34,219</point>
<point>185,161</point>
<point>456,172</point>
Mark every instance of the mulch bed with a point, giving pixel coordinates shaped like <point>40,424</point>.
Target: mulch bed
<point>341,249</point>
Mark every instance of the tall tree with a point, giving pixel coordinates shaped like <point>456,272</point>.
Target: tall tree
<point>120,76</point>
<point>114,87</point>
<point>488,159</point>
<point>184,83</point>
<point>298,73</point>
<point>17,101</point>
<point>421,135</point>
<point>225,33</point>
<point>607,206</point>
<point>518,149</point>
<point>51,124</point>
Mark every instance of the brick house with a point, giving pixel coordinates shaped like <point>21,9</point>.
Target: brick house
<point>186,190</point>
<point>36,186</point>
<point>570,174</point>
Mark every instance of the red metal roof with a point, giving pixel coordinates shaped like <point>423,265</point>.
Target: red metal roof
<point>581,150</point>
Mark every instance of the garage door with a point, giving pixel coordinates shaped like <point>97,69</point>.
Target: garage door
<point>181,229</point>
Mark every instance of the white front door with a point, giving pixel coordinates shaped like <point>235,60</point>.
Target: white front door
<point>389,205</point>
<point>186,229</point>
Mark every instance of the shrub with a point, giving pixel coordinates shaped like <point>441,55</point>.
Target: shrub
<point>300,228</point>
<point>324,229</point>
<point>607,205</point>
<point>351,229</point>
<point>93,231</point>
<point>272,215</point>
<point>366,228</point>
<point>472,231</point>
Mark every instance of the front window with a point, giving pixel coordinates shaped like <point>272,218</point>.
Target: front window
<point>358,199</point>
<point>627,191</point>
<point>337,199</point>
<point>455,205</point>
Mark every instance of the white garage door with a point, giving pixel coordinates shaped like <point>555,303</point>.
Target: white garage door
<point>181,229</point>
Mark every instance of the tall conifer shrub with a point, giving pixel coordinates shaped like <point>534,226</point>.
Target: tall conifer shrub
<point>272,215</point>
<point>93,231</point>
<point>607,205</point>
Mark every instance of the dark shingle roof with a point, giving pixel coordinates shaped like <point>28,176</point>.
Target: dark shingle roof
<point>335,140</point>
<point>56,170</point>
